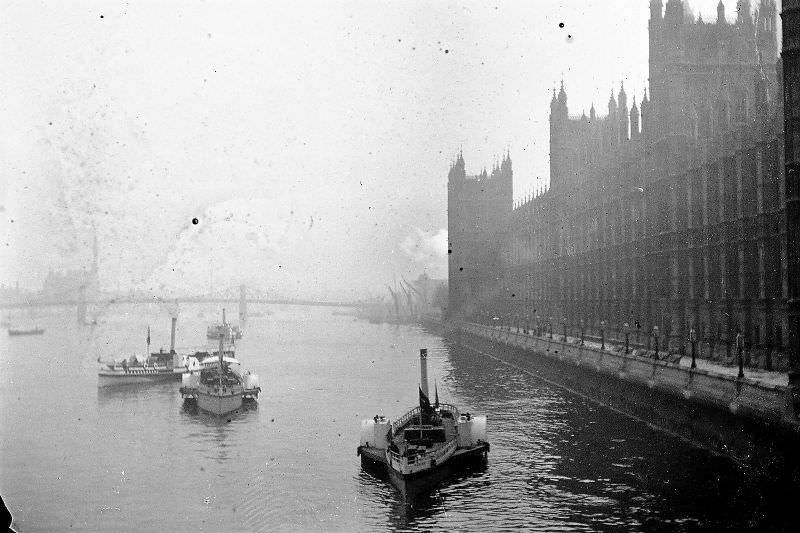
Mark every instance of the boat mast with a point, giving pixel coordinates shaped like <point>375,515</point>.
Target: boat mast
<point>147,353</point>
<point>423,377</point>
<point>423,370</point>
<point>221,337</point>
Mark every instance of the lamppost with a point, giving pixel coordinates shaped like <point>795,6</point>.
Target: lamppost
<point>582,332</point>
<point>693,341</point>
<point>602,334</point>
<point>551,327</point>
<point>564,323</point>
<point>627,328</point>
<point>655,336</point>
<point>740,348</point>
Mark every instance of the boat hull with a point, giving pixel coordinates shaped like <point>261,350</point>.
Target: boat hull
<point>375,461</point>
<point>219,403</point>
<point>116,379</point>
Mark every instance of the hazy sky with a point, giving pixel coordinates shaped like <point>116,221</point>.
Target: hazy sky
<point>310,139</point>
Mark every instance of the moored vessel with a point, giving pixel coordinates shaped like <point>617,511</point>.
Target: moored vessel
<point>229,332</point>
<point>424,441</point>
<point>218,386</point>
<point>156,367</point>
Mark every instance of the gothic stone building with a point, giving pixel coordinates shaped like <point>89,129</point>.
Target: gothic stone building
<point>669,213</point>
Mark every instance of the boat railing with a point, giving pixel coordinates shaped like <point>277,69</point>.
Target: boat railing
<point>436,453</point>
<point>415,412</point>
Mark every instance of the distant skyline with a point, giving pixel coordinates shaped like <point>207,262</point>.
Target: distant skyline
<point>311,140</point>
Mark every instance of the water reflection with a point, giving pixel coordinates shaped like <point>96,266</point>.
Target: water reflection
<point>412,502</point>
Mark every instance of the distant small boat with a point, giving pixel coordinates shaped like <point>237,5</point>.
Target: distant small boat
<point>229,332</point>
<point>17,332</point>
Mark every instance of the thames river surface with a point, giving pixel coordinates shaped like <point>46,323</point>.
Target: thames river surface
<point>75,457</point>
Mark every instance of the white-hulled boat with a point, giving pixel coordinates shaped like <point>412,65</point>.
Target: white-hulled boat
<point>425,440</point>
<point>191,379</point>
<point>156,367</point>
<point>220,387</point>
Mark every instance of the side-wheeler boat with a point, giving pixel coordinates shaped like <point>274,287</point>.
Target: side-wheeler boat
<point>156,367</point>
<point>425,440</point>
<point>220,389</point>
<point>209,362</point>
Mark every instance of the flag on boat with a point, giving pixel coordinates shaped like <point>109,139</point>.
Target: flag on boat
<point>424,402</point>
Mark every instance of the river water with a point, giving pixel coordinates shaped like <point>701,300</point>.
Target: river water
<point>75,457</point>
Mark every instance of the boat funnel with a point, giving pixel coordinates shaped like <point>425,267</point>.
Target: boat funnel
<point>172,335</point>
<point>423,369</point>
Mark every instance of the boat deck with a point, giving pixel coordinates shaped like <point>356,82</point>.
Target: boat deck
<point>378,455</point>
<point>190,393</point>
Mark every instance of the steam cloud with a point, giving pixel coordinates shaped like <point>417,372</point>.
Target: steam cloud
<point>428,249</point>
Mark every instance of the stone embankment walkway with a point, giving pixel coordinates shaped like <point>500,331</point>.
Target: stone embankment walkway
<point>764,377</point>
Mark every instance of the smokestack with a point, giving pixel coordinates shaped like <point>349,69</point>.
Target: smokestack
<point>423,368</point>
<point>172,336</point>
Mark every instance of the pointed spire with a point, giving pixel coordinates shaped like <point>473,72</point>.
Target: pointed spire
<point>436,394</point>
<point>720,13</point>
<point>612,104</point>
<point>562,95</point>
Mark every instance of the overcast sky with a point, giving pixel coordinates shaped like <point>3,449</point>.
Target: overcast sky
<point>311,140</point>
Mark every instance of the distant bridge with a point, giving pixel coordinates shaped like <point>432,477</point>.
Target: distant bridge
<point>190,299</point>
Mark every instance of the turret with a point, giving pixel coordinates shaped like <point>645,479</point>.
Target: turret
<point>766,33</point>
<point>721,13</point>
<point>744,13</point>
<point>457,170</point>
<point>634,120</point>
<point>656,11</point>
<point>612,107</point>
<point>562,98</point>
<point>673,16</point>
<point>622,114</point>
<point>645,119</point>
<point>559,117</point>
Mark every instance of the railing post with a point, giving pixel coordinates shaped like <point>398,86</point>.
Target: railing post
<point>655,338</point>
<point>627,334</point>
<point>602,334</point>
<point>740,348</point>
